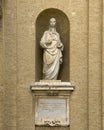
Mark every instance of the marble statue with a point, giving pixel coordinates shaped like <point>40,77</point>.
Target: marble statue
<point>52,55</point>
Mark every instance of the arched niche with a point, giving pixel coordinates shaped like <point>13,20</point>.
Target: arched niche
<point>42,24</point>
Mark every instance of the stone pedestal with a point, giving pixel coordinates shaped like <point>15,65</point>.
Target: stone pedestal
<point>52,102</point>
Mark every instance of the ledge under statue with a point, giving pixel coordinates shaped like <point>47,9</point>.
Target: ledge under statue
<point>52,56</point>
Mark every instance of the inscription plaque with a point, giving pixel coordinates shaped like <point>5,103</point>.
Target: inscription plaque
<point>52,111</point>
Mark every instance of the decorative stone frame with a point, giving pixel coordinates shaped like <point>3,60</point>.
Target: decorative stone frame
<point>51,121</point>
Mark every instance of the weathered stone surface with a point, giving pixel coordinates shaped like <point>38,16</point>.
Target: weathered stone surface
<point>53,87</point>
<point>52,84</point>
<point>17,62</point>
<point>95,65</point>
<point>0,11</point>
<point>52,111</point>
<point>52,56</point>
<point>2,88</point>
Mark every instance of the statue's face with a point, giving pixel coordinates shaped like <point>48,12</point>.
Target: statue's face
<point>52,22</point>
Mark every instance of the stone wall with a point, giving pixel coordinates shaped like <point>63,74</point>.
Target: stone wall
<point>17,62</point>
<point>2,87</point>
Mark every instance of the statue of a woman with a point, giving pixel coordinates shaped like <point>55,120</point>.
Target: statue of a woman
<point>52,56</point>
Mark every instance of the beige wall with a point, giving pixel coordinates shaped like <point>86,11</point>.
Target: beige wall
<point>102,65</point>
<point>95,66</point>
<point>17,62</point>
<point>2,87</point>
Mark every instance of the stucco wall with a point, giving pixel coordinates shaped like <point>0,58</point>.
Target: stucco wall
<point>2,87</point>
<point>17,62</point>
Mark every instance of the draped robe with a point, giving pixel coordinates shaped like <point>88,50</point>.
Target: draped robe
<point>52,55</point>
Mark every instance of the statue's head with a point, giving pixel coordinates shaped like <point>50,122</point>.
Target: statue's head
<point>52,22</point>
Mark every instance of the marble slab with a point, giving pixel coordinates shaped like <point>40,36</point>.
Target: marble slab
<point>52,111</point>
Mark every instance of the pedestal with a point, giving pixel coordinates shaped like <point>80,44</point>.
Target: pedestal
<point>52,100</point>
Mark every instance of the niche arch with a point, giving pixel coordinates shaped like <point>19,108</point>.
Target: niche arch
<point>63,28</point>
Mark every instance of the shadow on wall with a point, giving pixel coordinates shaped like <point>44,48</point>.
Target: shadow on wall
<point>42,24</point>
